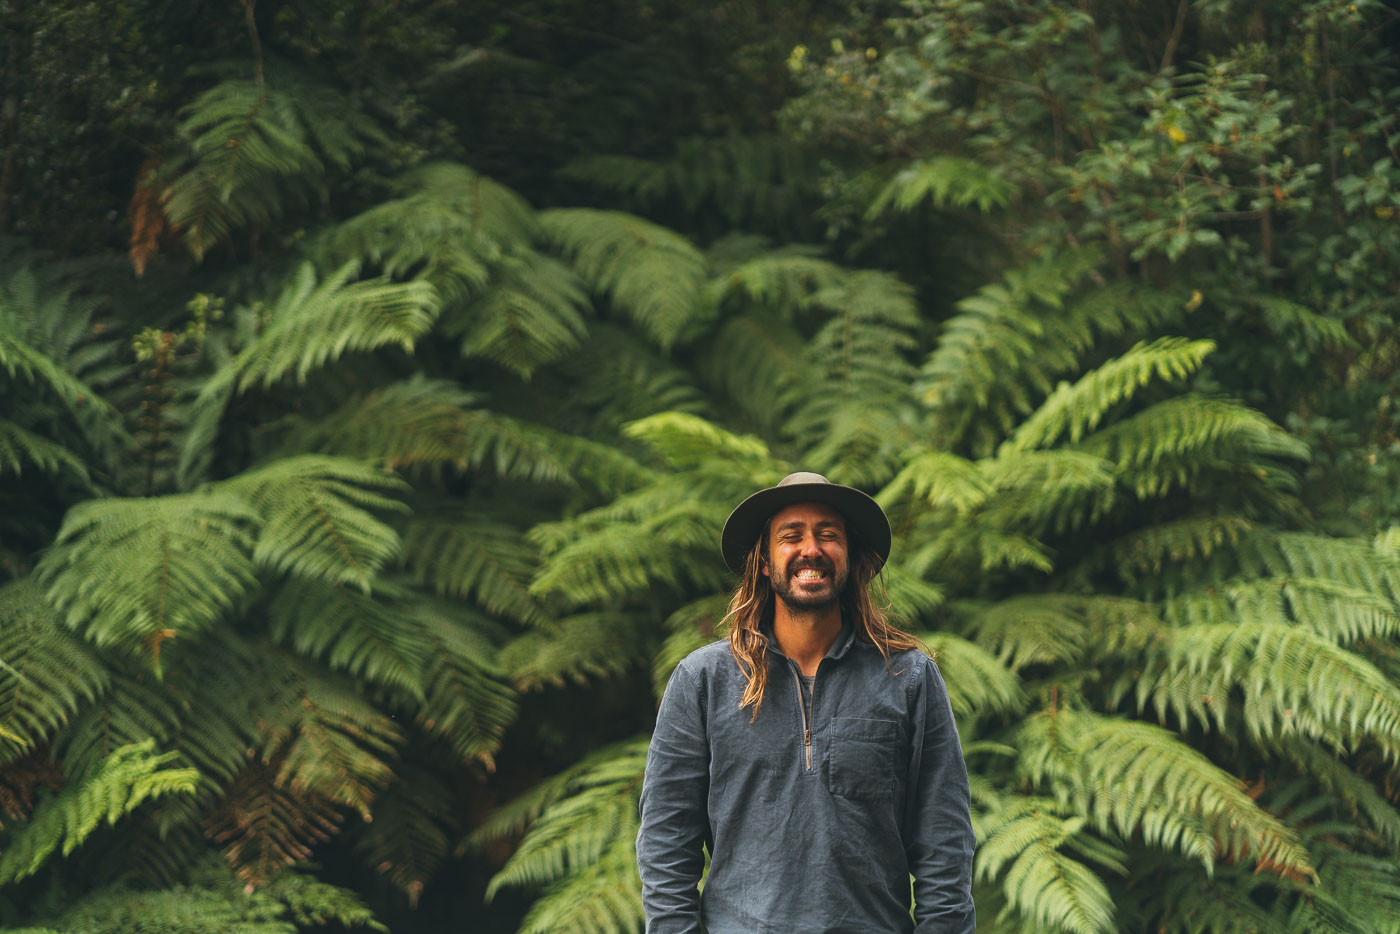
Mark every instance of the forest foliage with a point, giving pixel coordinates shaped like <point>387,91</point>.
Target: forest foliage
<point>375,381</point>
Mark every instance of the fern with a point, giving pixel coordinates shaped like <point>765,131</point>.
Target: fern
<point>1129,777</point>
<point>129,776</point>
<point>946,181</point>
<point>315,516</point>
<point>1044,884</point>
<point>251,146</point>
<point>134,572</point>
<point>459,552</point>
<point>46,675</point>
<point>650,274</point>
<point>978,683</point>
<point>574,818</point>
<point>315,322</point>
<point>1076,410</point>
<point>407,841</point>
<point>577,648</point>
<point>18,446</point>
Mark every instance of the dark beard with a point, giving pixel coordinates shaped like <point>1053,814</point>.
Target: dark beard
<point>782,583</point>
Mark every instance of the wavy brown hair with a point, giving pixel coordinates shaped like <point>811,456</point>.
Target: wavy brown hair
<point>751,608</point>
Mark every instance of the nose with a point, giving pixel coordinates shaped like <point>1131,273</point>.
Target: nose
<point>810,546</point>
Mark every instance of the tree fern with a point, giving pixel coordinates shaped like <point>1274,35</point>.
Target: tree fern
<point>47,675</point>
<point>579,647</point>
<point>315,322</point>
<point>135,572</point>
<point>251,147</point>
<point>316,518</point>
<point>1076,410</point>
<point>129,776</point>
<point>407,840</point>
<point>18,447</point>
<point>1047,886</point>
<point>651,274</point>
<point>946,181</point>
<point>1132,777</point>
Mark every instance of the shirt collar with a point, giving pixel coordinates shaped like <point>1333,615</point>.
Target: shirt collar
<point>839,646</point>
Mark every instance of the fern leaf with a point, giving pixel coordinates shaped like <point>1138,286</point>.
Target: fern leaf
<point>246,140</point>
<point>651,274</point>
<point>1129,777</point>
<point>579,647</point>
<point>604,897</point>
<point>581,815</point>
<point>941,481</point>
<point>408,839</point>
<point>978,682</point>
<point>467,701</point>
<point>687,441</point>
<point>46,675</point>
<point>312,323</point>
<point>692,626</point>
<point>128,777</point>
<point>1044,884</point>
<point>1076,410</point>
<point>463,554</point>
<point>945,181</point>
<point>368,636</point>
<point>532,313</point>
<point>316,521</point>
<point>18,446</point>
<point>134,572</point>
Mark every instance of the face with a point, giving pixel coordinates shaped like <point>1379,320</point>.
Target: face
<point>806,561</point>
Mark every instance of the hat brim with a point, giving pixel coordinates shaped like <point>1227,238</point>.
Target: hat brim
<point>862,514</point>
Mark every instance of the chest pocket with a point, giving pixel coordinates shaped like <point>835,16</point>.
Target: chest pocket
<point>861,758</point>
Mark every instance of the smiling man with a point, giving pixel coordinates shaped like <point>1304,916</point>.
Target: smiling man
<point>813,752</point>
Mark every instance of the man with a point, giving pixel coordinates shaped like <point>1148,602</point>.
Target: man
<point>813,752</point>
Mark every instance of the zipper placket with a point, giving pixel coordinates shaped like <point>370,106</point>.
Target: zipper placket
<point>806,706</point>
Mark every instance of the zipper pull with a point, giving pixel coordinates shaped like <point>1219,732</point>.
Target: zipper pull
<point>807,737</point>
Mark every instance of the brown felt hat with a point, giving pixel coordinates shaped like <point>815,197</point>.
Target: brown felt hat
<point>862,514</point>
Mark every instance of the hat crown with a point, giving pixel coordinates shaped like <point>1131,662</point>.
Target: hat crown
<point>802,476</point>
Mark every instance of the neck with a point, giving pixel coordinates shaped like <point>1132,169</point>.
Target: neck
<point>805,636</point>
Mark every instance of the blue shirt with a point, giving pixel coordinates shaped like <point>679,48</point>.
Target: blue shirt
<point>812,827</point>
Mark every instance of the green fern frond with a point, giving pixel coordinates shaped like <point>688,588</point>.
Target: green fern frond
<point>531,313</point>
<point>46,675</point>
<point>1168,444</point>
<point>420,422</point>
<point>1077,410</point>
<point>1293,681</point>
<point>1057,489</point>
<point>467,700</point>
<point>604,897</point>
<point>579,647</point>
<point>1043,884</point>
<point>459,552</point>
<point>22,361</point>
<point>1031,629</point>
<point>19,446</point>
<point>1316,332</point>
<point>685,440</point>
<point>946,181</point>
<point>938,480</point>
<point>753,361</point>
<point>133,572</point>
<point>978,682</point>
<point>692,626</point>
<point>451,228</point>
<point>651,274</point>
<point>130,713</point>
<point>1132,777</point>
<point>312,323</point>
<point>580,815</point>
<point>1353,562</point>
<point>129,776</point>
<point>781,280</point>
<point>743,178</point>
<point>368,636</point>
<point>316,519</point>
<point>1359,795</point>
<point>674,547</point>
<point>326,739</point>
<point>1142,555</point>
<point>309,902</point>
<point>249,144</point>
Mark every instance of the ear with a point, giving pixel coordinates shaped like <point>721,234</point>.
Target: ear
<point>763,565</point>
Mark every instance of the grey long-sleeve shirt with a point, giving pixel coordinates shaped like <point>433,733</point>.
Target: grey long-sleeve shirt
<point>817,832</point>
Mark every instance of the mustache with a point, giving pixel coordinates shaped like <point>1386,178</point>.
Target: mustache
<point>819,564</point>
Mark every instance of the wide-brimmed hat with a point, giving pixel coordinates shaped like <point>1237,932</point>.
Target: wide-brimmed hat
<point>862,514</point>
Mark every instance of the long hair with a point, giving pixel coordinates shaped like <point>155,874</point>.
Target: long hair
<point>752,607</point>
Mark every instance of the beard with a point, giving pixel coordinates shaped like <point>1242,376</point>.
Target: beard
<point>804,598</point>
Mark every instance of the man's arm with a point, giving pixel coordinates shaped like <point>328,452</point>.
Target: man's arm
<point>674,819</point>
<point>938,837</point>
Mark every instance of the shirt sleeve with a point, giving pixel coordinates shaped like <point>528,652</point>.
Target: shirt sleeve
<point>674,822</point>
<point>938,823</point>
